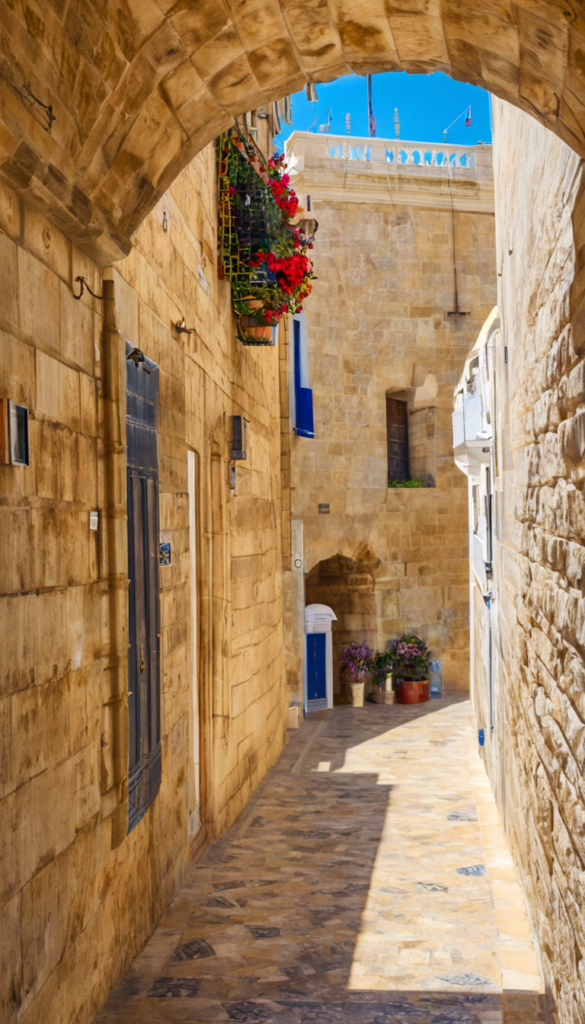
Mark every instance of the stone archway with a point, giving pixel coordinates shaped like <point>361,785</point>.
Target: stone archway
<point>347,585</point>
<point>137,90</point>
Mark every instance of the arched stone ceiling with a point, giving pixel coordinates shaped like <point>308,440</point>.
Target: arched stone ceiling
<point>137,87</point>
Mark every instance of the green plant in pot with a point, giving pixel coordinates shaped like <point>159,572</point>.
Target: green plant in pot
<point>381,668</point>
<point>356,663</point>
<point>410,658</point>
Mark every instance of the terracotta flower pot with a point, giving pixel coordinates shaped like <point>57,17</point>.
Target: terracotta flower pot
<point>252,323</point>
<point>413,691</point>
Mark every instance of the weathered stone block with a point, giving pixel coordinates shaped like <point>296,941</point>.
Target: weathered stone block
<point>8,282</point>
<point>78,330</point>
<point>38,302</point>
<point>17,653</point>
<point>572,433</point>
<point>18,369</point>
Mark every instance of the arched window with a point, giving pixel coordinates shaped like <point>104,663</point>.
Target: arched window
<point>397,434</point>
<point>410,435</point>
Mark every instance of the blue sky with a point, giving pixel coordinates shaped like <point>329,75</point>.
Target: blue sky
<point>426,105</point>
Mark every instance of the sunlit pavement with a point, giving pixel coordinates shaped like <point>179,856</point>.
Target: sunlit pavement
<point>368,882</point>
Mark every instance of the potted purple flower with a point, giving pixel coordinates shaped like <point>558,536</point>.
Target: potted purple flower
<point>356,664</point>
<point>410,659</point>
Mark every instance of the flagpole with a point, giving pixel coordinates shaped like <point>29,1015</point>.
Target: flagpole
<point>371,118</point>
<point>467,111</point>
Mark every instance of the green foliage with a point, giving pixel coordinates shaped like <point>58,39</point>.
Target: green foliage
<point>381,666</point>
<point>406,483</point>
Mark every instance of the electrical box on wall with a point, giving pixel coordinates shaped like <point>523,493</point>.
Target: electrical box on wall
<point>13,433</point>
<point>239,437</point>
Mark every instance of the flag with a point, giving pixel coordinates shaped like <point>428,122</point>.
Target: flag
<point>371,118</point>
<point>468,118</point>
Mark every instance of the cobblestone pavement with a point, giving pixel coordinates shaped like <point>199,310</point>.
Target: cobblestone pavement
<point>367,882</point>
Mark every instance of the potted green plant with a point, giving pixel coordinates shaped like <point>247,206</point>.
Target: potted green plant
<point>356,663</point>
<point>381,668</point>
<point>410,658</point>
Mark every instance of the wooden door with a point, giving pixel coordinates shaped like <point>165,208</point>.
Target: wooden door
<point>397,438</point>
<point>144,594</point>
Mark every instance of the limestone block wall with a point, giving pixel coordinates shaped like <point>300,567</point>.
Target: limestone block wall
<point>77,897</point>
<point>537,769</point>
<point>377,322</point>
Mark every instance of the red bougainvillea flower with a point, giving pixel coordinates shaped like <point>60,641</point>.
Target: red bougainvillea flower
<point>290,271</point>
<point>280,274</point>
<point>284,197</point>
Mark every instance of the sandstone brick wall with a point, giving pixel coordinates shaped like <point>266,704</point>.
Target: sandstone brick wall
<point>537,755</point>
<point>377,321</point>
<point>77,899</point>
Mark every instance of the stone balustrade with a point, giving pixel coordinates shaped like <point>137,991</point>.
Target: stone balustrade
<point>392,155</point>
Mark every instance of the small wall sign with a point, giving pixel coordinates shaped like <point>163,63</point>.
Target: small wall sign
<point>323,509</point>
<point>13,433</point>
<point>165,554</point>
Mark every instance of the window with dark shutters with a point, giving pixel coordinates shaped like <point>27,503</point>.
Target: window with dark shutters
<point>397,437</point>
<point>144,598</point>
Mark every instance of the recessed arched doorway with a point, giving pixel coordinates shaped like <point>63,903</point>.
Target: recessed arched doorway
<point>347,585</point>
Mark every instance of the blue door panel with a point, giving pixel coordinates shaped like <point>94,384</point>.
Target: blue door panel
<point>316,667</point>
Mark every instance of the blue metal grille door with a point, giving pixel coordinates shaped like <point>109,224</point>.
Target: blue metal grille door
<point>143,595</point>
<point>316,671</point>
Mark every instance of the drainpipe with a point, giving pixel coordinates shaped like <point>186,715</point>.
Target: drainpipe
<point>114,761</point>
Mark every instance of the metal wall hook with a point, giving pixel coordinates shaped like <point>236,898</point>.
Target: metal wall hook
<point>83,284</point>
<point>30,97</point>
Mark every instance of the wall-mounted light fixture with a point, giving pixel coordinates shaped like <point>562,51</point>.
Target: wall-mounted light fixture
<point>308,227</point>
<point>181,327</point>
<point>14,448</point>
<point>139,359</point>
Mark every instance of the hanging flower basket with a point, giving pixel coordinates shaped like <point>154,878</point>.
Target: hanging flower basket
<point>260,252</point>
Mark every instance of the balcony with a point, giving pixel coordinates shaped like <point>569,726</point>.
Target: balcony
<point>390,169</point>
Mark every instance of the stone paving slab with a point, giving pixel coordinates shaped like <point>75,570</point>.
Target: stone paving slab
<point>367,882</point>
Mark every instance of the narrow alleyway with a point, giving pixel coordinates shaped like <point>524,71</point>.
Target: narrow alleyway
<point>367,882</point>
